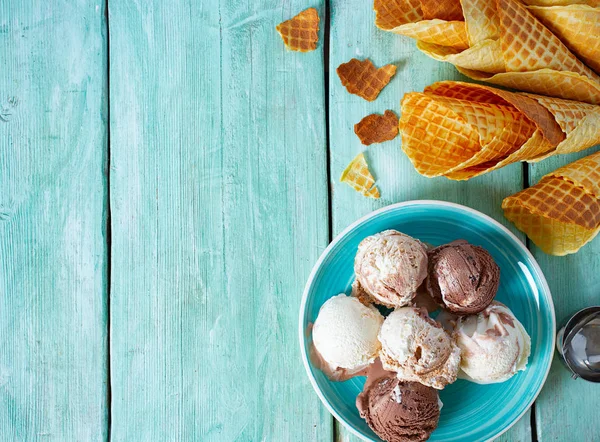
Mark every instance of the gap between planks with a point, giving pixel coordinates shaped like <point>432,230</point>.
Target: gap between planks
<point>108,225</point>
<point>326,36</point>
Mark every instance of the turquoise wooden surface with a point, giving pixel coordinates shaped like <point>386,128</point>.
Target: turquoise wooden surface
<point>219,207</point>
<point>219,210</point>
<point>53,207</point>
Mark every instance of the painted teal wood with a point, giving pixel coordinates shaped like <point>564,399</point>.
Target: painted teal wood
<point>567,409</point>
<point>53,193</point>
<point>353,34</point>
<point>219,211</point>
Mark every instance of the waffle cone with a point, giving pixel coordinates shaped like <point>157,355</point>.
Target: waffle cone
<point>579,121</point>
<point>390,14</point>
<point>442,9</point>
<point>481,20</point>
<point>509,46</point>
<point>358,176</point>
<point>452,34</point>
<point>566,85</point>
<point>462,130</point>
<point>552,236</point>
<point>577,26</point>
<point>561,213</point>
<point>561,2</point>
<point>434,137</point>
<point>584,173</point>
<point>484,56</point>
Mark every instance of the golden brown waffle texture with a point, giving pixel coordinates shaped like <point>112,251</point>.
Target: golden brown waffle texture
<point>462,130</point>
<point>561,213</point>
<point>377,128</point>
<point>362,78</point>
<point>358,176</point>
<point>506,42</point>
<point>301,32</point>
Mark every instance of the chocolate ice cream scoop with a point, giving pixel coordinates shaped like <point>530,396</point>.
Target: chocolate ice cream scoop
<point>390,266</point>
<point>462,277</point>
<point>399,411</point>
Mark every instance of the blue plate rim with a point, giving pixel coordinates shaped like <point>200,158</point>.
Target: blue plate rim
<point>301,332</point>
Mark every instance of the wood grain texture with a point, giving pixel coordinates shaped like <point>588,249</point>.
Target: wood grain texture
<point>567,409</point>
<point>53,196</point>
<point>219,208</point>
<point>353,34</point>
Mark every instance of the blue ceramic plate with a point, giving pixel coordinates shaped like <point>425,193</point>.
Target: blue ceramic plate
<point>471,412</point>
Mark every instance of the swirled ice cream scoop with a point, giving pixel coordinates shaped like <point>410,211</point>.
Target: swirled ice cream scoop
<point>494,345</point>
<point>418,348</point>
<point>462,277</point>
<point>345,336</point>
<point>390,266</point>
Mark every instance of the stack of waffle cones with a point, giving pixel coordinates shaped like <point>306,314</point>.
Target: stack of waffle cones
<point>562,212</point>
<point>502,41</point>
<point>461,130</point>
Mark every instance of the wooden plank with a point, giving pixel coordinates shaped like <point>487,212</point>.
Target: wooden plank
<point>567,409</point>
<point>53,252</point>
<point>353,34</point>
<point>219,208</point>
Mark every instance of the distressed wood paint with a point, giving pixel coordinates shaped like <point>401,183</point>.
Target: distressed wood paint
<point>568,409</point>
<point>354,34</point>
<point>53,201</point>
<point>219,210</point>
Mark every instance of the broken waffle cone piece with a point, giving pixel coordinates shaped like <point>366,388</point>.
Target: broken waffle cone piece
<point>377,128</point>
<point>561,213</point>
<point>577,26</point>
<point>362,78</point>
<point>358,176</point>
<point>502,42</point>
<point>301,32</point>
<point>462,130</point>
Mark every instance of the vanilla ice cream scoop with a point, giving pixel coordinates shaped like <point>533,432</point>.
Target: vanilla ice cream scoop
<point>390,266</point>
<point>418,348</point>
<point>345,334</point>
<point>494,345</point>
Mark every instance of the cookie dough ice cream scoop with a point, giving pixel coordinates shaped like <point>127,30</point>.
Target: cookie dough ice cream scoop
<point>345,336</point>
<point>494,345</point>
<point>390,266</point>
<point>462,277</point>
<point>418,348</point>
<point>399,411</point>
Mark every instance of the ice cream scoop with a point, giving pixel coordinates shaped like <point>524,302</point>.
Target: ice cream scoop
<point>390,266</point>
<point>399,411</point>
<point>345,335</point>
<point>494,345</point>
<point>418,348</point>
<point>462,277</point>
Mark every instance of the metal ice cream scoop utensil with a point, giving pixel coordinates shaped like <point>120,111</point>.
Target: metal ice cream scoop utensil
<point>578,343</point>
